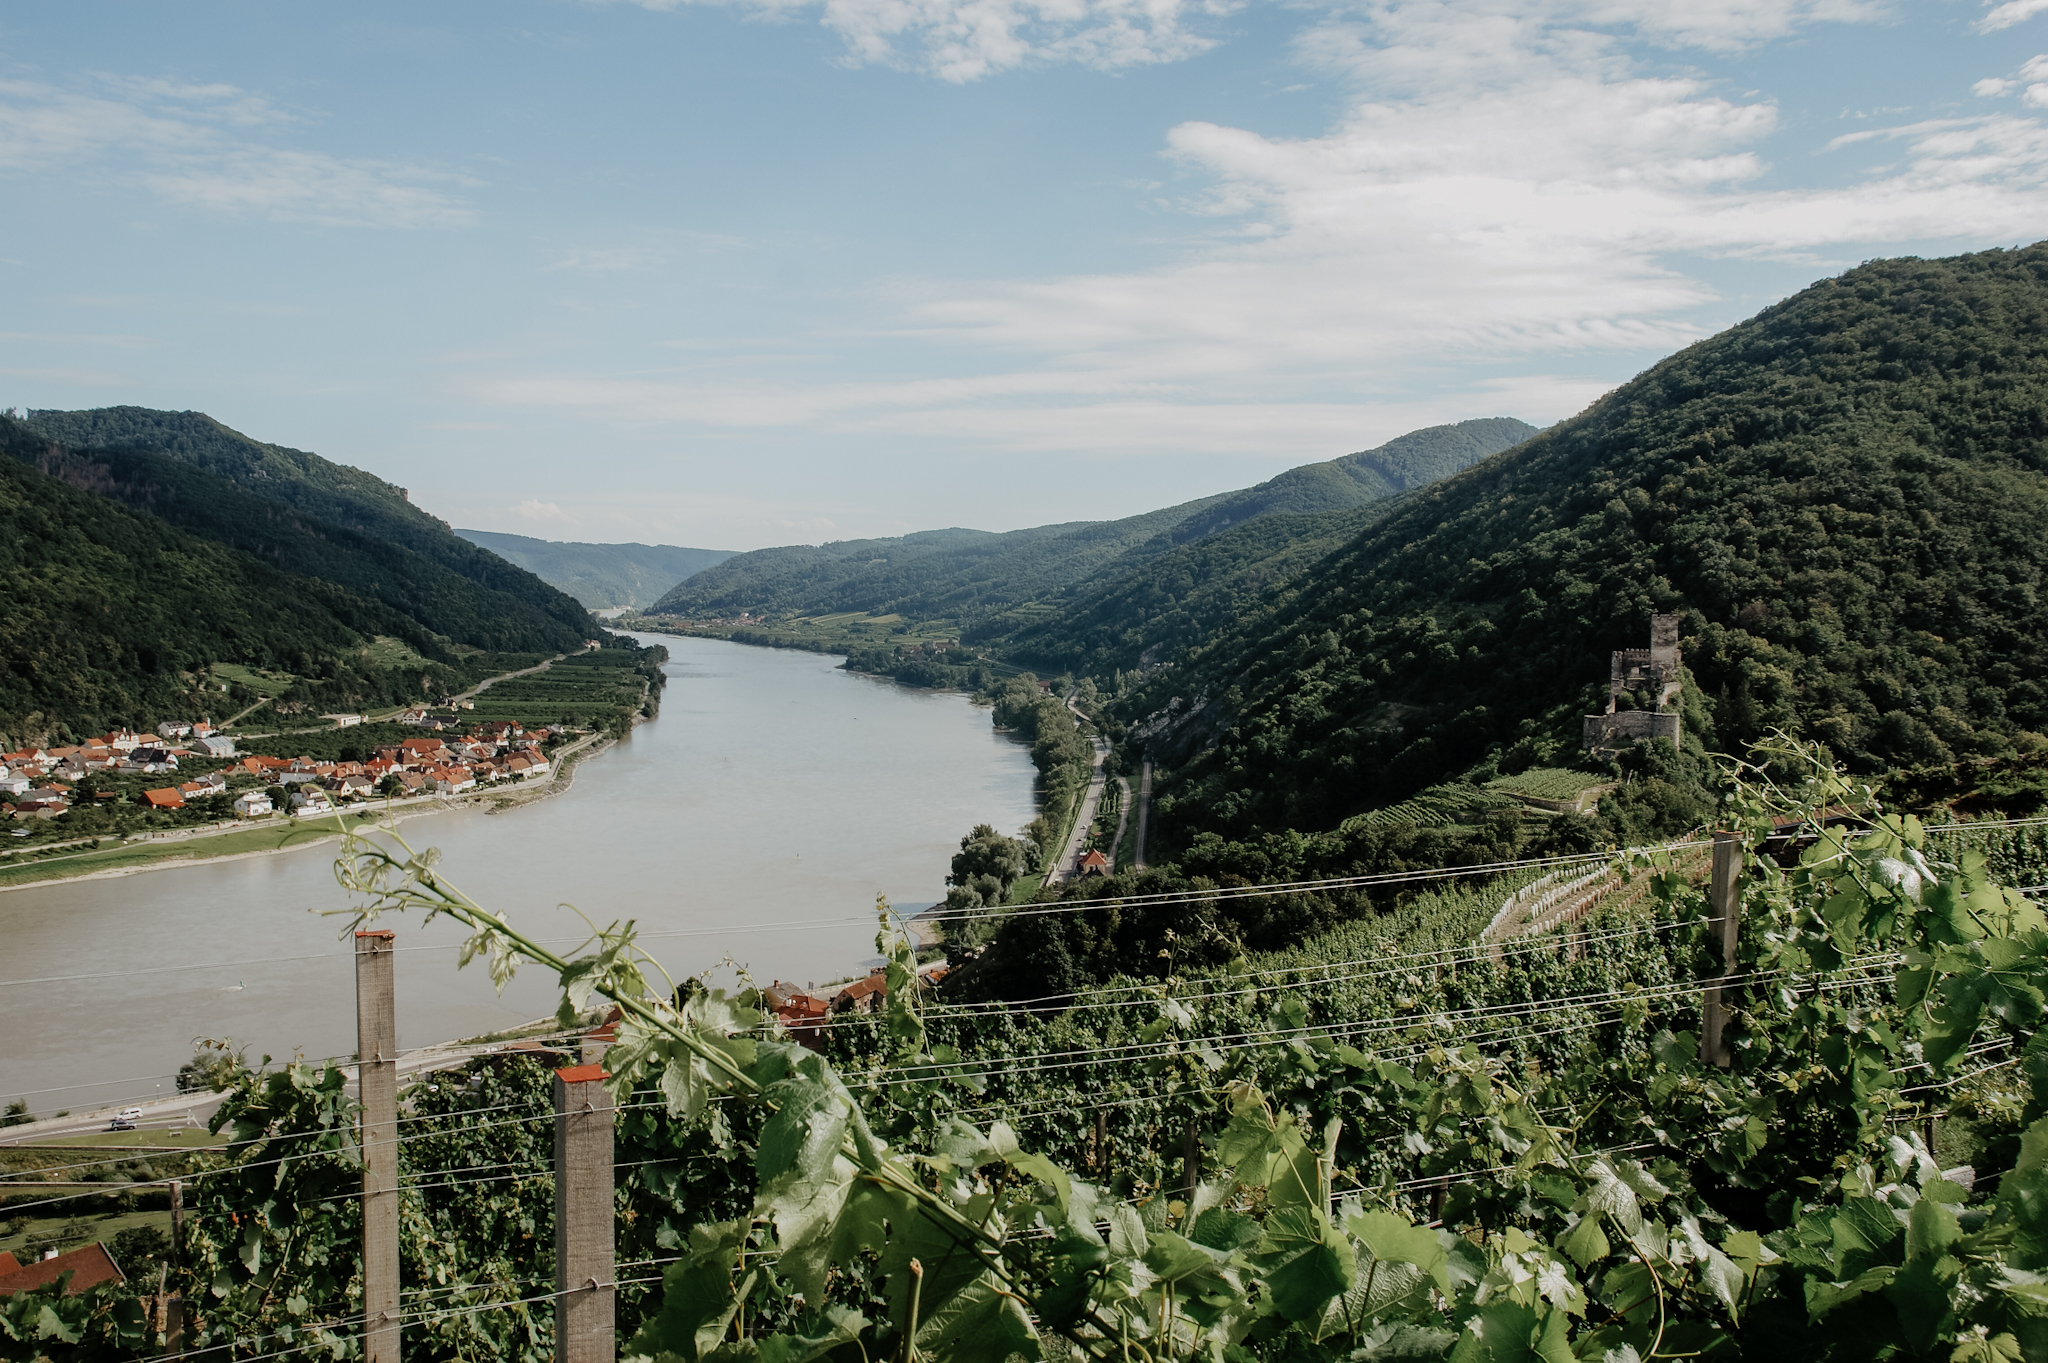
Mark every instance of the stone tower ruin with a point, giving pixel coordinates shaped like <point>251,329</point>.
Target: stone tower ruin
<point>1654,669</point>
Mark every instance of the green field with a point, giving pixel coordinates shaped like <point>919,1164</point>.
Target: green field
<point>267,837</point>
<point>255,679</point>
<point>385,651</point>
<point>584,689</point>
<point>1547,783</point>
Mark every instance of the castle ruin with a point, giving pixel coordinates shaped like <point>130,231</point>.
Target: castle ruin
<point>1654,669</point>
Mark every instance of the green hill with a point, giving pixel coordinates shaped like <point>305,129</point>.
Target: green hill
<point>1845,500</point>
<point>113,614</point>
<point>138,580</point>
<point>308,515</point>
<point>991,584</point>
<point>601,575</point>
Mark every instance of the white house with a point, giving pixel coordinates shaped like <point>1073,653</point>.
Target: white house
<point>254,803</point>
<point>311,800</point>
<point>344,721</point>
<point>217,745</point>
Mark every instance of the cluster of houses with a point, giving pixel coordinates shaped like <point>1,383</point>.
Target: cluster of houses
<point>804,1013</point>
<point>37,783</point>
<point>40,782</point>
<point>499,751</point>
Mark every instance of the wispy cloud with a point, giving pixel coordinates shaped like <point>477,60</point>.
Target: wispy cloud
<point>533,509</point>
<point>964,40</point>
<point>205,146</point>
<point>2010,13</point>
<point>77,378</point>
<point>1511,191</point>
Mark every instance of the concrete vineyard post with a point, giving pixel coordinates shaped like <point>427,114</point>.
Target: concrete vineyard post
<point>1724,906</point>
<point>377,1083</point>
<point>586,1286</point>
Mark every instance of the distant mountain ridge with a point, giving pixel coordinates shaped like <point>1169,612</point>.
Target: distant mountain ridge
<point>976,577</point>
<point>601,575</point>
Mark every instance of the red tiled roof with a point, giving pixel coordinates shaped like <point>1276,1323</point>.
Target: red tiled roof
<point>88,1267</point>
<point>164,799</point>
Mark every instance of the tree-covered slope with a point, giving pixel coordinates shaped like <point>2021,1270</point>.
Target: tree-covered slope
<point>1845,499</point>
<point>306,514</point>
<point>992,584</point>
<point>106,606</point>
<point>601,575</point>
<point>1402,464</point>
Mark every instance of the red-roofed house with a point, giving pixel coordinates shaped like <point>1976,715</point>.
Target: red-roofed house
<point>862,996</point>
<point>169,798</point>
<point>88,1267</point>
<point>1095,864</point>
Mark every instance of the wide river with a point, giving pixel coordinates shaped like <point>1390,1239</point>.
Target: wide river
<point>755,820</point>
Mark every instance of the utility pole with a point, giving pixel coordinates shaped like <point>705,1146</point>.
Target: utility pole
<point>1724,904</point>
<point>377,1084</point>
<point>586,1279</point>
<point>177,1223</point>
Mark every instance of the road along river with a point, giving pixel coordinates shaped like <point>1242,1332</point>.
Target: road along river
<point>757,818</point>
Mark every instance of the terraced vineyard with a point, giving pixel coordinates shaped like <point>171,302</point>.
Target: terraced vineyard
<point>604,689</point>
<point>1547,783</point>
<point>1437,807</point>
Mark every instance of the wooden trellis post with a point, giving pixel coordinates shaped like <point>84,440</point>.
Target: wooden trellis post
<point>586,1278</point>
<point>377,1085</point>
<point>1724,903</point>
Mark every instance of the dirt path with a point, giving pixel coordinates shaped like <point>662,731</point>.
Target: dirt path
<point>1123,820</point>
<point>488,682</point>
<point>1144,816</point>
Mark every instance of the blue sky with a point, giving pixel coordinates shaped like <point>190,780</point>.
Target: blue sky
<point>772,271</point>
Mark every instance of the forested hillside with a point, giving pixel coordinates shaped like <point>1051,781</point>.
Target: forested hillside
<point>107,607</point>
<point>601,575</point>
<point>138,582</point>
<point>1845,499</point>
<point>305,514</point>
<point>992,584</point>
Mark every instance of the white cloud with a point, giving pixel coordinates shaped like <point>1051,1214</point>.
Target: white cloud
<point>1508,193</point>
<point>963,40</point>
<point>534,509</point>
<point>610,260</point>
<point>2010,13</point>
<point>192,145</point>
<point>1991,87</point>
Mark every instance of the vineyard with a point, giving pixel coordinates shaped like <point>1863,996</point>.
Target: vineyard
<point>1437,807</point>
<point>603,688</point>
<point>1783,1111</point>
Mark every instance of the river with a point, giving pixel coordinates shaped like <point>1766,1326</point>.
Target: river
<point>756,819</point>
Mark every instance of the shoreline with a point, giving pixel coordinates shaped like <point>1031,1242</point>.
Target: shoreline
<point>560,779</point>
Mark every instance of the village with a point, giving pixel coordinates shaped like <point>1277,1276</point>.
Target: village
<point>40,783</point>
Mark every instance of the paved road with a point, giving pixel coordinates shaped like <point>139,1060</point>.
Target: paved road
<point>1068,866</point>
<point>182,1111</point>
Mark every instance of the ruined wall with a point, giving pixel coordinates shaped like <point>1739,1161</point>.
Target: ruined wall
<point>1624,727</point>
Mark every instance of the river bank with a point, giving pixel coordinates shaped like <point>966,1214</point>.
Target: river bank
<point>754,821</point>
<point>262,839</point>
